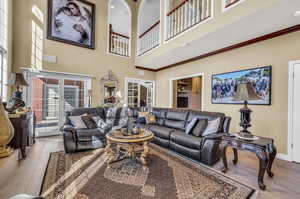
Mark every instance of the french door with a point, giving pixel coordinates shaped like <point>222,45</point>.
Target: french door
<point>139,93</point>
<point>50,95</point>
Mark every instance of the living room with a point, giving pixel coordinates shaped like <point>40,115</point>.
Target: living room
<point>112,65</point>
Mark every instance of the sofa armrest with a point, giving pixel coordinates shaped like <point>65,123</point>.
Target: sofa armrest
<point>67,127</point>
<point>215,135</point>
<point>226,124</point>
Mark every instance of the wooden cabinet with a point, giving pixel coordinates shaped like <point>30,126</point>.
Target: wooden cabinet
<point>24,125</point>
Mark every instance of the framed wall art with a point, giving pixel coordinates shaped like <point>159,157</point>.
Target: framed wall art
<point>72,22</point>
<point>224,86</point>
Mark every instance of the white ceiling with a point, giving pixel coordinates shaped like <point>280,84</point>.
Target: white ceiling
<point>149,14</point>
<point>120,17</point>
<point>277,17</point>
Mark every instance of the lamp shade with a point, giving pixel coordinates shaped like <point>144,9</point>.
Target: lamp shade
<point>119,94</point>
<point>245,92</point>
<point>17,79</point>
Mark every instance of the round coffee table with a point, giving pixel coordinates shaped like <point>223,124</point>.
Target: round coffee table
<point>120,146</point>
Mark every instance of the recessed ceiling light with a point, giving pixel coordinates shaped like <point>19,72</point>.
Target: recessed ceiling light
<point>297,13</point>
<point>112,6</point>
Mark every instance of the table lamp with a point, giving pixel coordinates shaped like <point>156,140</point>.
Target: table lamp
<point>245,92</point>
<point>16,101</point>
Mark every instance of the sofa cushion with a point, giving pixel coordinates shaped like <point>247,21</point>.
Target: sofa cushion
<point>89,111</point>
<point>200,127</point>
<point>189,141</point>
<point>176,119</point>
<point>176,124</point>
<point>180,115</point>
<point>161,131</point>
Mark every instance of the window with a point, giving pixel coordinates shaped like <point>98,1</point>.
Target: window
<point>3,48</point>
<point>37,38</point>
<point>37,46</point>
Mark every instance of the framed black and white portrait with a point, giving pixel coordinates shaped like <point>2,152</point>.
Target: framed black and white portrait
<point>72,22</point>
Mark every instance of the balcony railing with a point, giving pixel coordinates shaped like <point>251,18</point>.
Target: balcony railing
<point>149,39</point>
<point>229,3</point>
<point>118,43</point>
<point>186,15</point>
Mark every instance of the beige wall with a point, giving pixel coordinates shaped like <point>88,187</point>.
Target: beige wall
<point>70,58</point>
<point>269,121</point>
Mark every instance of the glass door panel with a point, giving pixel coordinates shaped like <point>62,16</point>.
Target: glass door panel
<point>45,102</point>
<point>51,95</point>
<point>140,93</point>
<point>75,92</point>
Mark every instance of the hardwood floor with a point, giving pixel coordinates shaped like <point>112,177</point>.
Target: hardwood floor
<point>26,176</point>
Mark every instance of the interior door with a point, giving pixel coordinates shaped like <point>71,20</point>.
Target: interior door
<point>296,114</point>
<point>139,93</point>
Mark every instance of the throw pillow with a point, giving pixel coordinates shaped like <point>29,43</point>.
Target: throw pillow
<point>191,125</point>
<point>212,127</point>
<point>100,123</point>
<point>77,122</point>
<point>200,127</point>
<point>88,121</point>
<point>150,118</point>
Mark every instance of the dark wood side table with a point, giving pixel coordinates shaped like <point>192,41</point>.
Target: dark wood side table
<point>24,125</point>
<point>264,149</point>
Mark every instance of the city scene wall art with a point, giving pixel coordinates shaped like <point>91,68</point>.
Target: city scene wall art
<point>224,86</point>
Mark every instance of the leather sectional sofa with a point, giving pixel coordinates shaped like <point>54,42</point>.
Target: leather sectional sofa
<point>169,132</point>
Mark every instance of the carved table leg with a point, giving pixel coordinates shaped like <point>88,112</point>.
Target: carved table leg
<point>223,147</point>
<point>270,163</point>
<point>263,162</point>
<point>144,153</point>
<point>109,153</point>
<point>235,153</point>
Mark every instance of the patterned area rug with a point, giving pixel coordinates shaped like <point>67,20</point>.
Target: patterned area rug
<point>86,176</point>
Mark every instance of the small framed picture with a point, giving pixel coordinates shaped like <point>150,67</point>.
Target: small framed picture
<point>224,86</point>
<point>72,22</point>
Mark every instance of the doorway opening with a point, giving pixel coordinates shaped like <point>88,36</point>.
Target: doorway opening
<point>187,92</point>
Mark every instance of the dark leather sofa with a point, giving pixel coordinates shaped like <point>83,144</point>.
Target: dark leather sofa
<point>169,132</point>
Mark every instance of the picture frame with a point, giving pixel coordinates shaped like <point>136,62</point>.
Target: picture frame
<point>72,22</point>
<point>224,85</point>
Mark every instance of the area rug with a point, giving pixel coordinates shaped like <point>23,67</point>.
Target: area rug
<point>167,176</point>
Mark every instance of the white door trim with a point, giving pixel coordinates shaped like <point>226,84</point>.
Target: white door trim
<point>291,108</point>
<point>185,77</point>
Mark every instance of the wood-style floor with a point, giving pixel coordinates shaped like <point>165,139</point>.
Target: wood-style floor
<point>26,176</point>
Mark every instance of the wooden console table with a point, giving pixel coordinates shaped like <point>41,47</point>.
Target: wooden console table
<point>264,149</point>
<point>24,125</point>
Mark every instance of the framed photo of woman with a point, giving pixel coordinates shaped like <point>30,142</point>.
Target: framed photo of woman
<point>72,22</point>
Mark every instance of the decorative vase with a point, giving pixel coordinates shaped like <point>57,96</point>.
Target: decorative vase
<point>6,133</point>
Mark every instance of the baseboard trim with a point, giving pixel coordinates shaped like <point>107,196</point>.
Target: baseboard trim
<point>282,156</point>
